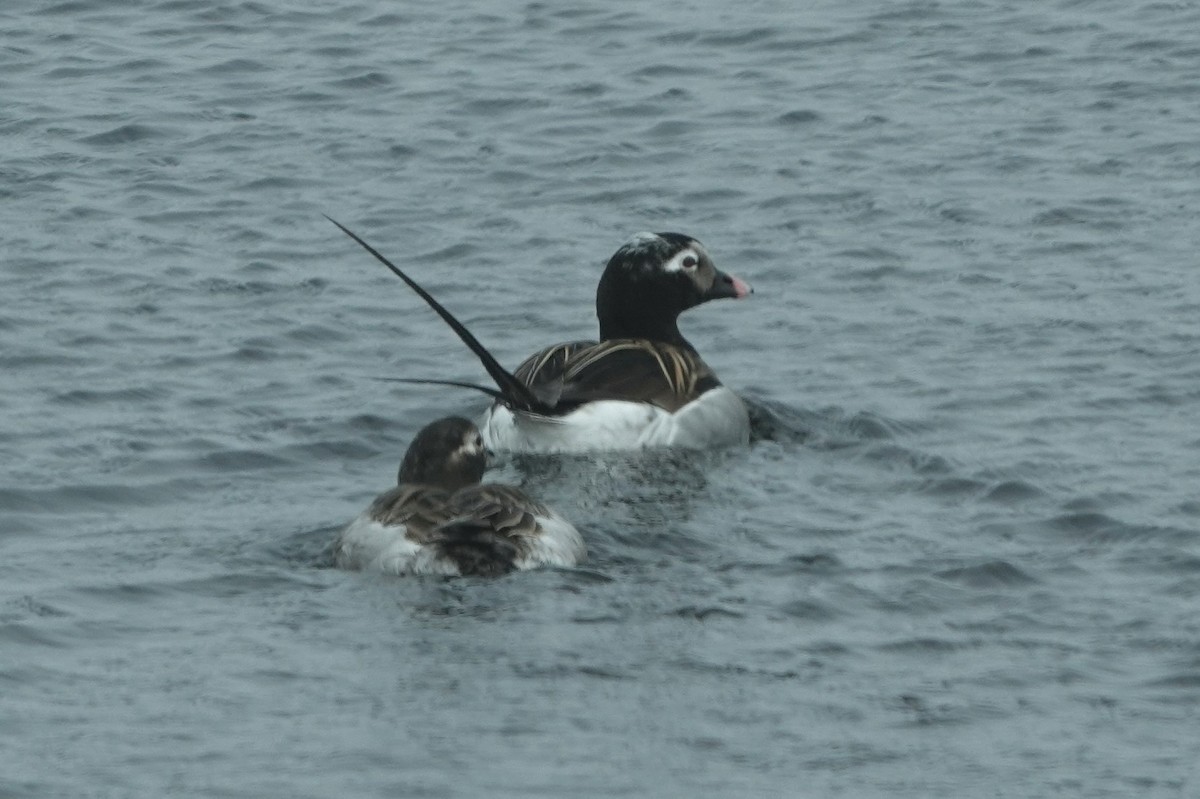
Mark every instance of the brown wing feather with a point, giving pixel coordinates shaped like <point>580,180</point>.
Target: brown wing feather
<point>506,510</point>
<point>636,370</point>
<point>419,508</point>
<point>549,364</point>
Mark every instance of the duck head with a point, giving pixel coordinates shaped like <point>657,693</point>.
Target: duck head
<point>652,279</point>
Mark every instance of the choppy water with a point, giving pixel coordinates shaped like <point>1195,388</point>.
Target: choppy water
<point>961,557</point>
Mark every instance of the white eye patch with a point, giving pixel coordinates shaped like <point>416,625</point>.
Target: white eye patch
<point>685,260</point>
<point>472,443</point>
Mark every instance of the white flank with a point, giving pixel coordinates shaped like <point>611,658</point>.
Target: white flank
<point>368,544</point>
<point>717,418</point>
<point>558,543</point>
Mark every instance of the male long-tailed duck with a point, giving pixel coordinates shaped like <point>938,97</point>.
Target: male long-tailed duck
<point>642,385</point>
<point>440,519</point>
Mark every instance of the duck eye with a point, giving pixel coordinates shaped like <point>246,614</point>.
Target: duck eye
<point>690,262</point>
<point>479,441</point>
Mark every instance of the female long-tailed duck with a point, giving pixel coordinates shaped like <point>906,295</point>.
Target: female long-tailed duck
<point>440,519</point>
<point>642,385</point>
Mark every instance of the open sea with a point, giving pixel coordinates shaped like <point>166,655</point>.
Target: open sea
<point>960,558</point>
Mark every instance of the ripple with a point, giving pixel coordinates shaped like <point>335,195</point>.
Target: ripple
<point>993,574</point>
<point>69,7</point>
<point>706,612</point>
<point>40,359</point>
<point>240,460</point>
<point>26,606</point>
<point>890,454</point>
<point>496,106</point>
<point>600,617</point>
<point>809,563</point>
<point>849,756</point>
<point>131,594</point>
<point>1189,680</point>
<point>809,610</point>
<point>922,712</point>
<point>924,645</point>
<point>236,66</point>
<point>312,549</point>
<point>798,117</point>
<point>21,635</point>
<point>831,428</point>
<point>366,80</point>
<point>127,134</point>
<point>332,450</point>
<point>1012,492</point>
<point>371,423</point>
<point>725,670</point>
<point>239,584</point>
<point>766,423</point>
<point>1093,525</point>
<point>138,394</point>
<point>952,487</point>
<point>753,36</point>
<point>82,498</point>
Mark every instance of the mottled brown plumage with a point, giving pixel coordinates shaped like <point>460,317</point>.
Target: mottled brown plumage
<point>441,520</point>
<point>422,509</point>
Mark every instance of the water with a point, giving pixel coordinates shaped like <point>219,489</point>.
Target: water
<point>959,559</point>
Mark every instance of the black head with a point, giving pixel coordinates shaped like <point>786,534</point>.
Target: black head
<point>652,279</point>
<point>448,453</point>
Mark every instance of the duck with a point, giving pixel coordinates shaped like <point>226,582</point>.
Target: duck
<point>441,519</point>
<point>641,385</point>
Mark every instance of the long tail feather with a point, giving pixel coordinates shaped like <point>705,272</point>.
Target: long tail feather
<point>512,390</point>
<point>420,381</point>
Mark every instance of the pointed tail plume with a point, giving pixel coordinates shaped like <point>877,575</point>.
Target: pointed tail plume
<point>511,390</point>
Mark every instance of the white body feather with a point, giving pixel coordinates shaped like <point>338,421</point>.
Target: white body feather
<point>370,545</point>
<point>558,543</point>
<point>717,418</point>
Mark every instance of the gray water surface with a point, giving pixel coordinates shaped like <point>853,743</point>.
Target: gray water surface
<point>960,558</point>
